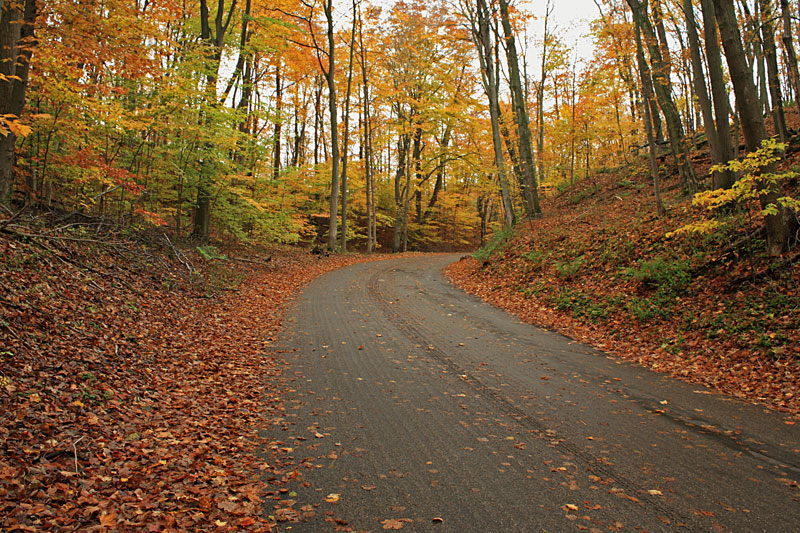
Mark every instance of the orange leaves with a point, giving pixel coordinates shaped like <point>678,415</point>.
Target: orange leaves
<point>392,523</point>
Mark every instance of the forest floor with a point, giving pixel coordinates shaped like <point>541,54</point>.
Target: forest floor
<point>598,266</point>
<point>132,380</point>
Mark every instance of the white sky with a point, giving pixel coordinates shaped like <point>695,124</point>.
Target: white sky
<point>569,18</point>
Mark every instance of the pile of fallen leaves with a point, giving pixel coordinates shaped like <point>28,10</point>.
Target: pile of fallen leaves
<point>132,381</point>
<point>598,267</point>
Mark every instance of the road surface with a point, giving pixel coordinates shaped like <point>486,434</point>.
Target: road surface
<point>415,405</point>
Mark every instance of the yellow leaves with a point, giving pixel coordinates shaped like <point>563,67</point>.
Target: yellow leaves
<point>332,498</point>
<point>702,227</point>
<point>752,184</point>
<point>11,124</point>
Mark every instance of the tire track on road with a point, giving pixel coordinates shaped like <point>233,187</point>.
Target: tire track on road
<point>594,463</point>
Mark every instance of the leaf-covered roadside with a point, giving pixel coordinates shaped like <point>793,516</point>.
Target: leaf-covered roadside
<point>712,309</point>
<point>131,391</point>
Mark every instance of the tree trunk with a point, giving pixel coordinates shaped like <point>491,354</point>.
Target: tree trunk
<point>647,95</point>
<point>402,162</point>
<point>663,91</point>
<point>276,141</point>
<point>330,76</point>
<point>530,192</point>
<point>16,27</point>
<point>368,177</point>
<point>700,89</point>
<point>439,185</point>
<point>347,129</point>
<point>719,93</point>
<point>780,227</point>
<point>540,96</point>
<point>771,58</point>
<point>214,41</point>
<point>791,55</point>
<point>482,39</point>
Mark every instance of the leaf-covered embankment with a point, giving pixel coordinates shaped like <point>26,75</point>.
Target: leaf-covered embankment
<point>131,391</point>
<point>598,267</point>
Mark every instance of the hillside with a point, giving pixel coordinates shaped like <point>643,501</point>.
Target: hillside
<point>598,267</point>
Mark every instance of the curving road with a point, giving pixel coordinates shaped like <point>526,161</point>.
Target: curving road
<point>415,405</point>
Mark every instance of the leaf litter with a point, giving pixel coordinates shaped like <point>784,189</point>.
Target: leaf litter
<point>131,390</point>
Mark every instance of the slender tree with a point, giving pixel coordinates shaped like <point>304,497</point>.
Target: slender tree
<point>719,93</point>
<point>346,147</point>
<point>647,95</point>
<point>663,91</point>
<point>771,59</point>
<point>479,19</point>
<point>529,185</point>
<point>791,55</point>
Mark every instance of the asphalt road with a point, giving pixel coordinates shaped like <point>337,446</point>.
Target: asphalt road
<point>416,405</point>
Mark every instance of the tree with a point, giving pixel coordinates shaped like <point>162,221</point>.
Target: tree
<point>17,41</point>
<point>647,95</point>
<point>347,128</point>
<point>719,93</point>
<point>330,77</point>
<point>771,58</point>
<point>214,40</point>
<point>478,17</point>
<point>529,183</point>
<point>663,91</point>
<point>780,225</point>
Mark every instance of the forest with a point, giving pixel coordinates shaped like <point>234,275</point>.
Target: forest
<point>420,125</point>
<point>174,172</point>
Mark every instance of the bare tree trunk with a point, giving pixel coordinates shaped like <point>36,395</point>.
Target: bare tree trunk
<point>647,95</point>
<point>719,93</point>
<point>317,120</point>
<point>771,58</point>
<point>540,96</point>
<point>399,192</point>
<point>276,142</point>
<point>664,95</point>
<point>214,40</point>
<point>700,89</point>
<point>368,177</point>
<point>330,75</point>
<point>347,129</point>
<point>791,55</point>
<point>530,190</point>
<point>482,39</point>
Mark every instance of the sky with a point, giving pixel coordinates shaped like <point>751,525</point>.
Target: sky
<point>571,20</point>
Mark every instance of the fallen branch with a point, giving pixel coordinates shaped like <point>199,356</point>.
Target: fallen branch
<point>243,260</point>
<point>75,450</point>
<point>180,255</point>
